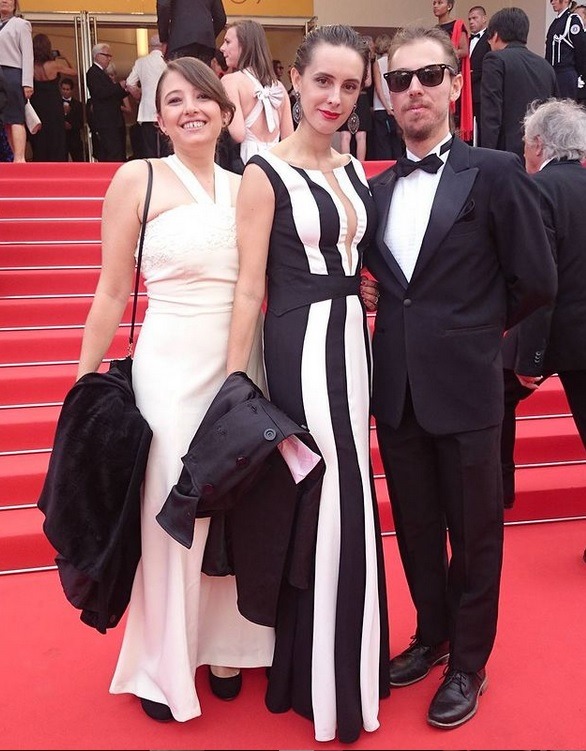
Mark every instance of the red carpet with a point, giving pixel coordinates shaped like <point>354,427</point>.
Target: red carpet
<point>56,671</point>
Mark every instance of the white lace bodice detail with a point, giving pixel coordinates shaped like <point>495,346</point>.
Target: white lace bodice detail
<point>190,257</point>
<point>179,235</point>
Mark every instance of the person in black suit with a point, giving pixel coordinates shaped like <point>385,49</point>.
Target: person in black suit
<point>552,341</point>
<point>479,46</point>
<point>73,110</point>
<point>512,77</point>
<point>190,27</point>
<point>461,254</point>
<point>106,97</point>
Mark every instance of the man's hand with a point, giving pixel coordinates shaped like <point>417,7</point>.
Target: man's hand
<point>530,382</point>
<point>369,293</point>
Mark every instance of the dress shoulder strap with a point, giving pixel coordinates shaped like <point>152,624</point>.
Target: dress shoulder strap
<point>192,184</point>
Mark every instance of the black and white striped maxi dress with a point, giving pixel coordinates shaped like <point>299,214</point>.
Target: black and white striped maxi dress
<point>332,653</point>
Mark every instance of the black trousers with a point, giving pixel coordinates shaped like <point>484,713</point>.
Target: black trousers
<point>111,145</point>
<point>384,140</point>
<point>200,51</point>
<point>574,383</point>
<point>154,143</point>
<point>448,481</point>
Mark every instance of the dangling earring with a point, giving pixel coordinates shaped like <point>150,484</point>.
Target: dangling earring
<point>296,110</point>
<point>354,122</point>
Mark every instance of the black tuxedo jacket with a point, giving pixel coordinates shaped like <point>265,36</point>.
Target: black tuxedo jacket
<point>511,79</point>
<point>476,59</point>
<point>106,99</point>
<point>184,22</point>
<point>485,263</point>
<point>555,340</point>
<point>75,116</point>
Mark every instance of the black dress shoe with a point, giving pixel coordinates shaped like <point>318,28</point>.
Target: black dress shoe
<point>225,688</point>
<point>456,700</point>
<point>156,710</point>
<point>416,661</point>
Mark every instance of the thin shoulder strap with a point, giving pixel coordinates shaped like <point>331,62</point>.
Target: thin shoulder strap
<point>145,213</point>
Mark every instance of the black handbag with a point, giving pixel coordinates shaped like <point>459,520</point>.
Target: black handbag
<point>91,495</point>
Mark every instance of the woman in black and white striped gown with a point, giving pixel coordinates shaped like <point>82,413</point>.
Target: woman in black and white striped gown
<point>304,216</point>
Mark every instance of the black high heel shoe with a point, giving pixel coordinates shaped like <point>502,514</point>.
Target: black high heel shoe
<point>225,688</point>
<point>156,711</point>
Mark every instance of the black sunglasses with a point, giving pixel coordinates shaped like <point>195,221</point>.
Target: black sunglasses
<point>431,75</point>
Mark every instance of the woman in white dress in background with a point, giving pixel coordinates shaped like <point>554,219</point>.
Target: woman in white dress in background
<point>263,109</point>
<point>178,617</point>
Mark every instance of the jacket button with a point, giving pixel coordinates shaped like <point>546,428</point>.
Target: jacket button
<point>270,434</point>
<point>242,461</point>
<point>407,302</point>
<point>207,489</point>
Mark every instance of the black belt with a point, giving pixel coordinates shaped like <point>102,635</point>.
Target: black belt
<point>291,288</point>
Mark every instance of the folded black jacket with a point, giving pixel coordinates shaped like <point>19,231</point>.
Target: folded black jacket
<point>263,525</point>
<point>91,493</point>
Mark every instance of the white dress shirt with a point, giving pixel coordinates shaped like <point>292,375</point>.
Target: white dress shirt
<point>474,42</point>
<point>410,210</point>
<point>146,71</point>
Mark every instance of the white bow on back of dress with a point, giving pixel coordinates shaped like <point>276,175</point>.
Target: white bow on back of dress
<point>269,98</point>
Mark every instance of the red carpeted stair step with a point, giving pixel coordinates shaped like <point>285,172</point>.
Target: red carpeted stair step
<point>54,311</point>
<point>549,439</point>
<point>63,207</point>
<point>49,281</point>
<point>53,345</point>
<point>68,179</point>
<point>549,493</point>
<point>49,254</point>
<point>27,230</point>
<point>24,544</point>
<point>31,384</point>
<point>29,428</point>
<point>21,478</point>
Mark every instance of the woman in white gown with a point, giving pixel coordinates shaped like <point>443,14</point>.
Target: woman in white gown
<point>263,109</point>
<point>178,617</point>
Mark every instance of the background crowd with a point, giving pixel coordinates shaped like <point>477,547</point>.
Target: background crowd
<point>120,120</point>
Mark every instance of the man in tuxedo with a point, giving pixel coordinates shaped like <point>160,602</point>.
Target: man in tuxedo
<point>73,110</point>
<point>479,46</point>
<point>190,27</point>
<point>552,340</point>
<point>512,77</point>
<point>106,115</point>
<point>461,254</point>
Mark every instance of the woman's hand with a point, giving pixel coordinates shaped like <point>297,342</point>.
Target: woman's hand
<point>369,293</point>
<point>27,91</point>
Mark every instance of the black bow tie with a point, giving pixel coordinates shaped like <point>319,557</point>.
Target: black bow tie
<point>67,100</point>
<point>405,166</point>
<point>475,36</point>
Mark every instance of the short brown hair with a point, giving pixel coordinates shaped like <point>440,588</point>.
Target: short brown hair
<point>411,34</point>
<point>202,77</point>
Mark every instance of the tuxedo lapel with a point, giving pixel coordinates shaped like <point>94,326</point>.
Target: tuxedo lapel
<point>382,197</point>
<point>453,190</point>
